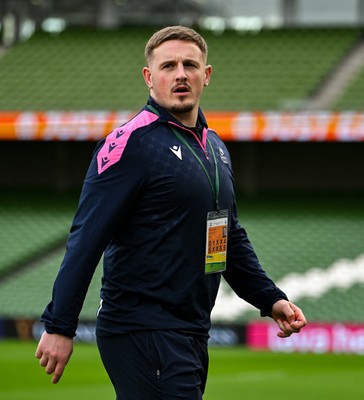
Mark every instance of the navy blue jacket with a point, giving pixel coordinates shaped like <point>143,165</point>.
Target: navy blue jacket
<point>144,205</point>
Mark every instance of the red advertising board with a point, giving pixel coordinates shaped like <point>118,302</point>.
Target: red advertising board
<point>231,126</point>
<point>315,338</point>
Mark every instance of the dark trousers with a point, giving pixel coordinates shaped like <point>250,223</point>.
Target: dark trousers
<point>155,365</point>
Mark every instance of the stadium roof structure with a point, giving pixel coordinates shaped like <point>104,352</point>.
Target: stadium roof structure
<point>112,13</point>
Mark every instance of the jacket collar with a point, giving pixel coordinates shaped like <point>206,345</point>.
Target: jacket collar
<point>165,116</point>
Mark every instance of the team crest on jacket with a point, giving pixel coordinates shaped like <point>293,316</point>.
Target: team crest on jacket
<point>222,156</point>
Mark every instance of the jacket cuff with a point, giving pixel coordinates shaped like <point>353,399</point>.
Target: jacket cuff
<point>60,330</point>
<point>266,310</point>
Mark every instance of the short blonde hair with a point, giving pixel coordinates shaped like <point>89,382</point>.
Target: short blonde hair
<point>174,33</point>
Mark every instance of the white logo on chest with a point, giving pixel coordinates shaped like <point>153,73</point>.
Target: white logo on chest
<point>176,150</point>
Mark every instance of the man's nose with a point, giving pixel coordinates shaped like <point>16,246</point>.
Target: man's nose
<point>181,73</point>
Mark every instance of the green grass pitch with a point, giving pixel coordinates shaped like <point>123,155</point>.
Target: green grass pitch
<point>235,373</point>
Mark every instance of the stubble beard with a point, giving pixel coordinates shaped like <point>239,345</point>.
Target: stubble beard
<point>181,108</point>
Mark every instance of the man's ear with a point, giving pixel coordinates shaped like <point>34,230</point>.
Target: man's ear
<point>208,72</point>
<point>147,77</point>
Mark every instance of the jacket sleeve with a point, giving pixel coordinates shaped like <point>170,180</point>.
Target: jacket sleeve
<point>104,203</point>
<point>244,273</point>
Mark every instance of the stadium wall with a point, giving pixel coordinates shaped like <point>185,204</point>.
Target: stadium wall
<point>259,166</point>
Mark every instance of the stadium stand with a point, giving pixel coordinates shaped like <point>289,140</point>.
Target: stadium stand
<point>31,224</point>
<point>328,309</point>
<point>291,234</point>
<point>299,232</point>
<point>273,70</point>
<point>269,70</point>
<point>27,292</point>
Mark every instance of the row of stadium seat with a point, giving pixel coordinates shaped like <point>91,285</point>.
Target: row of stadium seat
<point>353,97</point>
<point>294,234</point>
<point>31,224</point>
<point>335,306</point>
<point>88,70</point>
<point>27,292</point>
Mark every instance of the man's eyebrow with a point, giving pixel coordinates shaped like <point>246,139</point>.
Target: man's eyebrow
<point>191,60</point>
<point>169,61</point>
<point>185,60</point>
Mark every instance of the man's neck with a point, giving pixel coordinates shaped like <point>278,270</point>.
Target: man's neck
<point>186,119</point>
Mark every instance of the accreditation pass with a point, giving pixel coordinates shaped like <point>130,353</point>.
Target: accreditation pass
<point>216,241</point>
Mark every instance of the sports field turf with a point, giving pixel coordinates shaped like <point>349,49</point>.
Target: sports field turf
<point>235,373</point>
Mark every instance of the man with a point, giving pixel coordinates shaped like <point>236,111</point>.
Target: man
<point>158,201</point>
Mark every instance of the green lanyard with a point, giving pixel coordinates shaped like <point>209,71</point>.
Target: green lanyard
<point>215,189</point>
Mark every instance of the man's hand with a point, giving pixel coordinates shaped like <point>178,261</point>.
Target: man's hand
<point>289,318</point>
<point>54,351</point>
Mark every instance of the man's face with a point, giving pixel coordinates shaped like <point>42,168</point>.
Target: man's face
<point>176,75</point>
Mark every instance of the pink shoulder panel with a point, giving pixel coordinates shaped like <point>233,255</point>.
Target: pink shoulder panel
<point>115,142</point>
